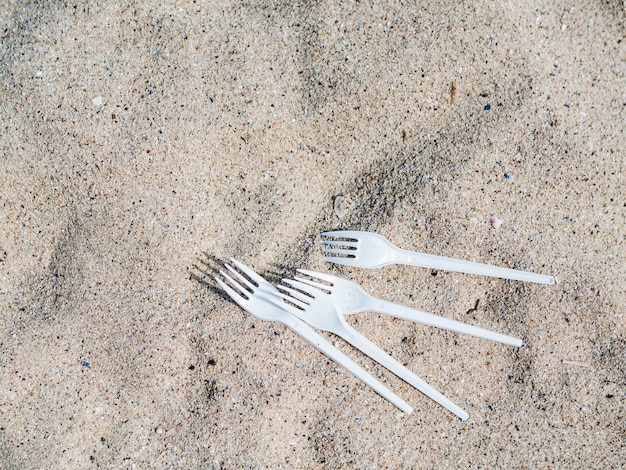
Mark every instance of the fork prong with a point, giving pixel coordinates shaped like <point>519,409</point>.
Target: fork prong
<point>249,272</point>
<point>343,234</point>
<point>312,291</point>
<point>234,283</point>
<point>295,297</point>
<point>317,275</point>
<point>240,300</point>
<point>240,277</point>
<point>279,301</point>
<point>319,286</point>
<point>338,260</point>
<point>340,243</point>
<point>337,251</point>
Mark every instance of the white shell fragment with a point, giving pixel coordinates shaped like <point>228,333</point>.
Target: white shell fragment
<point>342,205</point>
<point>495,222</point>
<point>97,100</point>
<point>337,207</point>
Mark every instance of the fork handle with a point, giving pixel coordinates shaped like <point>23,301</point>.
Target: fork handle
<point>379,355</point>
<point>419,316</point>
<point>414,258</point>
<point>322,345</point>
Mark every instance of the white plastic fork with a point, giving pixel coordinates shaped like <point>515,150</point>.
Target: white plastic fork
<point>317,310</point>
<point>369,250</point>
<point>350,298</point>
<point>256,301</point>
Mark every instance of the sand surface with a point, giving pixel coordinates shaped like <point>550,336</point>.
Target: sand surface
<point>144,144</point>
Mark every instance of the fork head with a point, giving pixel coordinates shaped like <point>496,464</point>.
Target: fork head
<point>311,305</point>
<point>251,292</point>
<point>360,249</point>
<point>348,297</point>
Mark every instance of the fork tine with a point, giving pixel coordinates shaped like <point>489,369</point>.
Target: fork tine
<point>299,298</point>
<point>279,301</point>
<point>234,283</point>
<point>240,277</point>
<point>249,272</point>
<point>340,243</point>
<point>338,260</point>
<point>343,234</point>
<point>316,275</point>
<point>339,252</point>
<point>241,301</point>
<point>321,287</point>
<point>312,291</point>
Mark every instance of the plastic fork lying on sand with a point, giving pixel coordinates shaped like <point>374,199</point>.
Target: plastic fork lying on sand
<point>317,309</point>
<point>255,299</point>
<point>369,250</point>
<point>350,298</point>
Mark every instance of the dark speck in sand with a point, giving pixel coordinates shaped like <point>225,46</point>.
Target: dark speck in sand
<point>487,107</point>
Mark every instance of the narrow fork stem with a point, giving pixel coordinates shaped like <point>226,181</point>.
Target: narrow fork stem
<point>430,319</point>
<point>379,355</point>
<point>323,346</point>
<point>424,260</point>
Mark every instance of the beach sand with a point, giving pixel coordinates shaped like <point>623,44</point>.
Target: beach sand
<point>144,144</point>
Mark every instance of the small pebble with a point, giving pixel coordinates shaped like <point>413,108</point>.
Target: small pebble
<point>487,107</point>
<point>97,100</point>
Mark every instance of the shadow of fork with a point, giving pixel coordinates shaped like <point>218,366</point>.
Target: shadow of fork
<point>204,272</point>
<point>208,266</point>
